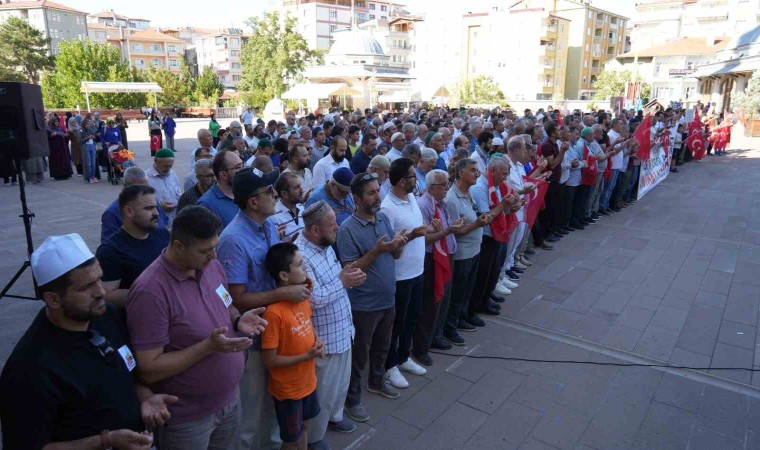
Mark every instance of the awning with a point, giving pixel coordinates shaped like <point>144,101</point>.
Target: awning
<point>92,87</point>
<point>399,97</point>
<point>746,65</point>
<point>319,90</point>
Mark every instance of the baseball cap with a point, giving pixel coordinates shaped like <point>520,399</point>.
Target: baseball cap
<point>248,180</point>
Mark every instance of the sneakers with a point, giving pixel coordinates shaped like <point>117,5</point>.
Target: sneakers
<point>440,344</point>
<point>385,389</point>
<point>395,378</point>
<point>519,264</point>
<point>412,367</point>
<point>501,290</point>
<point>465,326</point>
<point>603,212</point>
<point>454,338</point>
<point>356,412</point>
<point>530,251</point>
<point>506,282</point>
<point>517,270</point>
<point>512,275</point>
<point>344,426</point>
<point>475,320</point>
<point>524,261</point>
<point>425,359</point>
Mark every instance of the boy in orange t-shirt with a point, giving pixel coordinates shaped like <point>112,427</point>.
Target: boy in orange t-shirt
<point>288,349</point>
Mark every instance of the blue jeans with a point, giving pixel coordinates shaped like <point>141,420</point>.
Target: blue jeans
<point>634,182</point>
<point>609,185</point>
<point>92,160</point>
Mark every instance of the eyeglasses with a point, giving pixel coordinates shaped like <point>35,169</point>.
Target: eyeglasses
<point>408,177</point>
<point>235,167</point>
<point>103,346</point>
<point>207,177</point>
<point>270,190</point>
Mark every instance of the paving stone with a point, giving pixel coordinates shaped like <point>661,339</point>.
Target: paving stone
<point>716,281</point>
<point>670,318</point>
<point>657,343</point>
<point>438,396</point>
<point>451,429</point>
<point>562,320</point>
<point>606,275</point>
<point>700,332</point>
<point>747,273</point>
<point>725,258</point>
<point>737,334</point>
<point>537,392</point>
<point>696,266</point>
<point>664,427</point>
<point>723,411</point>
<point>704,439</point>
<point>390,433</point>
<point>635,317</point>
<point>711,299</point>
<point>532,443</point>
<point>594,325</point>
<point>584,392</point>
<point>488,394</point>
<point>730,356</point>
<point>678,298</point>
<point>614,426</point>
<point>680,392</point>
<point>561,427</point>
<point>645,301</point>
<point>743,310</point>
<point>636,272</point>
<point>656,284</point>
<point>506,429</point>
<point>621,337</point>
<point>687,282</point>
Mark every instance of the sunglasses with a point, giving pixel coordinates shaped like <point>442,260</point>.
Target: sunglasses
<point>103,346</point>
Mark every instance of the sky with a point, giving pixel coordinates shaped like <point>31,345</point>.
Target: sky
<point>233,13</point>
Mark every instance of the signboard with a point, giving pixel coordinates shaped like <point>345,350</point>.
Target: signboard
<point>654,170</point>
<point>689,115</point>
<point>680,72</point>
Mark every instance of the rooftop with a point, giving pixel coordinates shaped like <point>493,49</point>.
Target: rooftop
<point>681,47</point>
<point>107,14</point>
<point>152,35</point>
<point>39,4</point>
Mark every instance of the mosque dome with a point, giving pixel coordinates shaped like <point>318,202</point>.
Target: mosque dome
<point>355,42</point>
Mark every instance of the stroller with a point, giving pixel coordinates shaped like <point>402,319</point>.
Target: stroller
<point>119,160</point>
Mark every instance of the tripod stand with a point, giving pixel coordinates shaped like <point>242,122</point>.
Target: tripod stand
<point>26,216</point>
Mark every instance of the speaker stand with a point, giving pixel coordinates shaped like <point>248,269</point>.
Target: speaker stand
<point>26,216</point>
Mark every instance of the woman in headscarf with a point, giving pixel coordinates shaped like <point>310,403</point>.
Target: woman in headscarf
<point>154,129</point>
<point>75,133</point>
<point>59,157</point>
<point>123,125</point>
<point>112,135</point>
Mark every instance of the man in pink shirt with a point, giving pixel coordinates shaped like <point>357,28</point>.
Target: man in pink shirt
<point>187,335</point>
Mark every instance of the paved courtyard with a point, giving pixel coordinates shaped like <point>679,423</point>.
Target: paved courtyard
<point>674,279</point>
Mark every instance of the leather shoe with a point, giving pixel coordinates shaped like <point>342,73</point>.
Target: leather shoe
<point>475,320</point>
<point>529,251</point>
<point>603,212</point>
<point>516,270</point>
<point>546,246</point>
<point>425,359</point>
<point>563,231</point>
<point>440,344</point>
<point>491,311</point>
<point>493,304</point>
<point>497,299</point>
<point>551,239</point>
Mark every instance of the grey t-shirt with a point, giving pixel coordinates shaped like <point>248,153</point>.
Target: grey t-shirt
<point>461,206</point>
<point>356,237</point>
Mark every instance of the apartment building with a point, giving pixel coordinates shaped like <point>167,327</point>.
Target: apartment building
<point>657,21</point>
<point>534,66</point>
<point>220,50</point>
<point>318,19</point>
<point>58,22</point>
<point>111,19</point>
<point>151,48</point>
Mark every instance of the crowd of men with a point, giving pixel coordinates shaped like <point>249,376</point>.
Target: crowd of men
<point>298,265</point>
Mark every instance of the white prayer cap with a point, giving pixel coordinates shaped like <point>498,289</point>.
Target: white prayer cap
<point>58,255</point>
<point>395,135</point>
<point>497,141</point>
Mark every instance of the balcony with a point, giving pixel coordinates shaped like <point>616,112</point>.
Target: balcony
<point>594,70</point>
<point>549,33</point>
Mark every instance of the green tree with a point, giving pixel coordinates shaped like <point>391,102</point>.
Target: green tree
<point>208,88</point>
<point>88,61</point>
<point>175,92</point>
<point>749,100</point>
<point>272,57</point>
<point>478,90</point>
<point>23,51</point>
<point>187,78</point>
<point>612,83</point>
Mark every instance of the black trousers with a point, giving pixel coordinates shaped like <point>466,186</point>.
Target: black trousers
<point>426,324</point>
<point>548,217</point>
<point>489,271</point>
<point>579,205</point>
<point>568,197</point>
<point>408,305</point>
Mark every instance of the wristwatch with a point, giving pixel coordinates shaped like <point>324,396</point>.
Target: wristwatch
<point>105,440</point>
<point>235,323</point>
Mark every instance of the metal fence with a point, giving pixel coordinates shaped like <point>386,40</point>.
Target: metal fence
<point>227,113</point>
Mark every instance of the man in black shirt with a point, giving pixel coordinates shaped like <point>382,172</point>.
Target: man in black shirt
<point>135,246</point>
<point>69,379</point>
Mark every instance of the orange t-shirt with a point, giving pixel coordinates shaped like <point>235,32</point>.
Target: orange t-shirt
<point>291,333</point>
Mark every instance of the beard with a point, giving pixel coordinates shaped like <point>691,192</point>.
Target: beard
<point>338,158</point>
<point>326,241</point>
<point>93,311</point>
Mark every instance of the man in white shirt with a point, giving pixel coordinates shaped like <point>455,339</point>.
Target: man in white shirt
<point>403,213</point>
<point>247,117</point>
<point>205,140</point>
<point>617,142</point>
<point>397,144</point>
<point>288,212</point>
<point>164,180</point>
<point>516,152</point>
<point>336,159</point>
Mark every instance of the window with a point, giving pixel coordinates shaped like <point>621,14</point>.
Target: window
<point>584,79</point>
<point>371,16</point>
<point>560,46</point>
<point>371,6</point>
<point>235,65</point>
<point>587,47</point>
<point>220,40</point>
<point>172,48</point>
<point>585,63</point>
<point>383,8</point>
<point>139,62</point>
<point>384,17</point>
<point>173,63</point>
<point>234,53</point>
<point>234,41</point>
<point>588,31</point>
<point>236,78</point>
<point>333,28</point>
<point>590,15</point>
<point>137,47</point>
<point>55,50</point>
<point>155,48</point>
<point>333,14</point>
<point>559,64</point>
<point>562,28</point>
<point>155,62</point>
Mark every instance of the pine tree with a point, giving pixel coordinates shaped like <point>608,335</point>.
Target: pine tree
<point>23,51</point>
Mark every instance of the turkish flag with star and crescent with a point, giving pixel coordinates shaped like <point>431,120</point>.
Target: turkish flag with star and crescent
<point>696,140</point>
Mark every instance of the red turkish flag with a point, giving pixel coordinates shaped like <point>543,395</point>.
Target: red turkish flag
<point>535,200</point>
<point>441,264</point>
<point>643,136</point>
<point>503,224</point>
<point>588,175</point>
<point>696,140</point>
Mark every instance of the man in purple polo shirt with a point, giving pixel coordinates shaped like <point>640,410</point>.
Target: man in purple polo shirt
<point>185,333</point>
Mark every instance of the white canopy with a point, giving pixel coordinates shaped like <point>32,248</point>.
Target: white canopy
<point>91,87</point>
<point>318,90</point>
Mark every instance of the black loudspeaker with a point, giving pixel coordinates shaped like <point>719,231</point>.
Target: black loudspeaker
<point>22,121</point>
